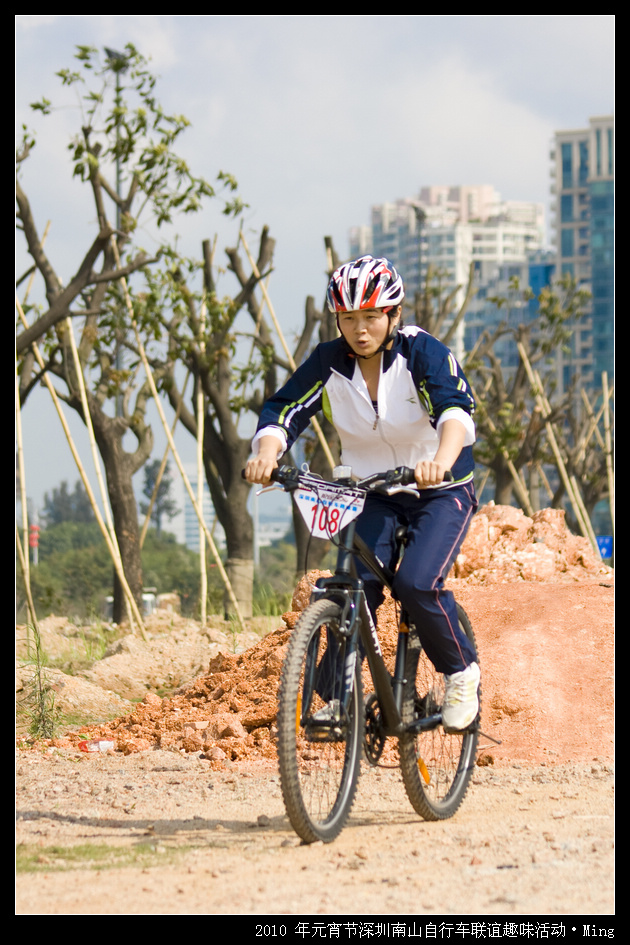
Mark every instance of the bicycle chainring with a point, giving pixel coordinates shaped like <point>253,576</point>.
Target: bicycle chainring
<point>374,737</point>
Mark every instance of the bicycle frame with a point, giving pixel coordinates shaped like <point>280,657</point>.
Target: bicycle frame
<point>349,588</point>
<point>324,728</point>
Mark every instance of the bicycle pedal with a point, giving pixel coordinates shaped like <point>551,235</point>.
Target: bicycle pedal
<point>497,741</point>
<point>324,732</point>
<point>469,730</point>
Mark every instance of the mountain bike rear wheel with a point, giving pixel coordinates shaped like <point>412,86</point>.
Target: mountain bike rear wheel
<point>319,742</point>
<point>436,766</point>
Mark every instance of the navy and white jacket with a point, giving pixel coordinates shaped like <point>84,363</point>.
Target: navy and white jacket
<point>421,386</point>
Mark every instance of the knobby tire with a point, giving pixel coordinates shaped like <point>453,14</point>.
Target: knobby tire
<point>436,766</point>
<point>318,774</point>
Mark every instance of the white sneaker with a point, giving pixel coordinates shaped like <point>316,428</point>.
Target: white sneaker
<point>461,698</point>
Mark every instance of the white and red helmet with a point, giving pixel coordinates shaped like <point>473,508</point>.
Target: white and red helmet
<point>365,283</point>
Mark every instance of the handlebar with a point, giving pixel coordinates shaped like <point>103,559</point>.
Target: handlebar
<point>289,477</point>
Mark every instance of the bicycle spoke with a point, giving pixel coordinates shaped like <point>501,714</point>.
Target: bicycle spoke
<point>319,751</point>
<point>436,766</point>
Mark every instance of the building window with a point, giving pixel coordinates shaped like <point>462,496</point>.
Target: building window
<point>567,243</point>
<point>566,152</point>
<point>583,173</point>
<point>610,151</point>
<point>566,208</point>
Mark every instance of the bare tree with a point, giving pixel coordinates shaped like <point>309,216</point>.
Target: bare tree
<point>124,153</point>
<point>435,306</point>
<point>511,432</point>
<point>228,346</point>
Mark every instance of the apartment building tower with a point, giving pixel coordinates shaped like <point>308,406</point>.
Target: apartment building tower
<point>583,167</point>
<point>449,228</point>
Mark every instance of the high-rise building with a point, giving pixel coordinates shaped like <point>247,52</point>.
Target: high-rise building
<point>507,281</point>
<point>583,220</point>
<point>449,228</point>
<point>185,525</point>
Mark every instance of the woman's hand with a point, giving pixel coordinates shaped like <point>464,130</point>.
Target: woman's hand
<point>429,473</point>
<point>260,467</point>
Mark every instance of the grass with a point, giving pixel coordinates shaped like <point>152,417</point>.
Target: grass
<point>31,858</point>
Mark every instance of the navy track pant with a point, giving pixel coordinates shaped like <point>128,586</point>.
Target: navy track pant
<point>437,521</point>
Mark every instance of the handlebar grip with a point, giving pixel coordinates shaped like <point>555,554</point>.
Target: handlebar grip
<point>275,475</point>
<point>408,476</point>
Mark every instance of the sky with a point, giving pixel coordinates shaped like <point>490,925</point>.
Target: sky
<point>318,118</point>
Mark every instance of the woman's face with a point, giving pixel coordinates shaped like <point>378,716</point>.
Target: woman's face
<point>365,330</point>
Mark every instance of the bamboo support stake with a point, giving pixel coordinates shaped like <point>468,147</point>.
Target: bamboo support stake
<point>203,576</point>
<point>541,473</point>
<point>580,502</point>
<point>126,589</point>
<point>314,421</point>
<point>22,475</point>
<point>482,485</point>
<point>593,429</point>
<point>84,479</point>
<point>95,456</point>
<point>574,494</point>
<point>537,390</point>
<point>570,483</point>
<point>24,558</point>
<point>171,442</point>
<point>519,487</point>
<point>609,464</point>
<point>18,426</point>
<point>158,478</point>
<point>186,481</point>
<point>27,584</point>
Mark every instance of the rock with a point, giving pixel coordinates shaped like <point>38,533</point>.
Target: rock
<point>304,589</point>
<point>169,602</point>
<point>74,695</point>
<point>227,726</point>
<point>505,545</point>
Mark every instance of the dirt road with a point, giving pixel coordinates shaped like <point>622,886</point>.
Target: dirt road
<point>529,840</point>
<point>186,817</point>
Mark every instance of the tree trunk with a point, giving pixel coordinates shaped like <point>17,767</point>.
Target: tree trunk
<point>240,572</point>
<point>504,485</point>
<point>120,467</point>
<point>230,505</point>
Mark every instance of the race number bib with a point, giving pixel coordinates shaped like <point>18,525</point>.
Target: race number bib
<point>328,508</point>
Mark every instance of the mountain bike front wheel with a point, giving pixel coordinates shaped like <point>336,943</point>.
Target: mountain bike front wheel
<point>320,733</point>
<point>436,766</point>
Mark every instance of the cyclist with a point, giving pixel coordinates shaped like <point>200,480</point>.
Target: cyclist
<point>397,397</point>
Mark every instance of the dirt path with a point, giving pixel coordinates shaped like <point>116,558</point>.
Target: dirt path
<point>185,817</point>
<point>200,819</point>
<point>531,840</point>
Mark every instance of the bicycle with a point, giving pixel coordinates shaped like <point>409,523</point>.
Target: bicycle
<point>324,726</point>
